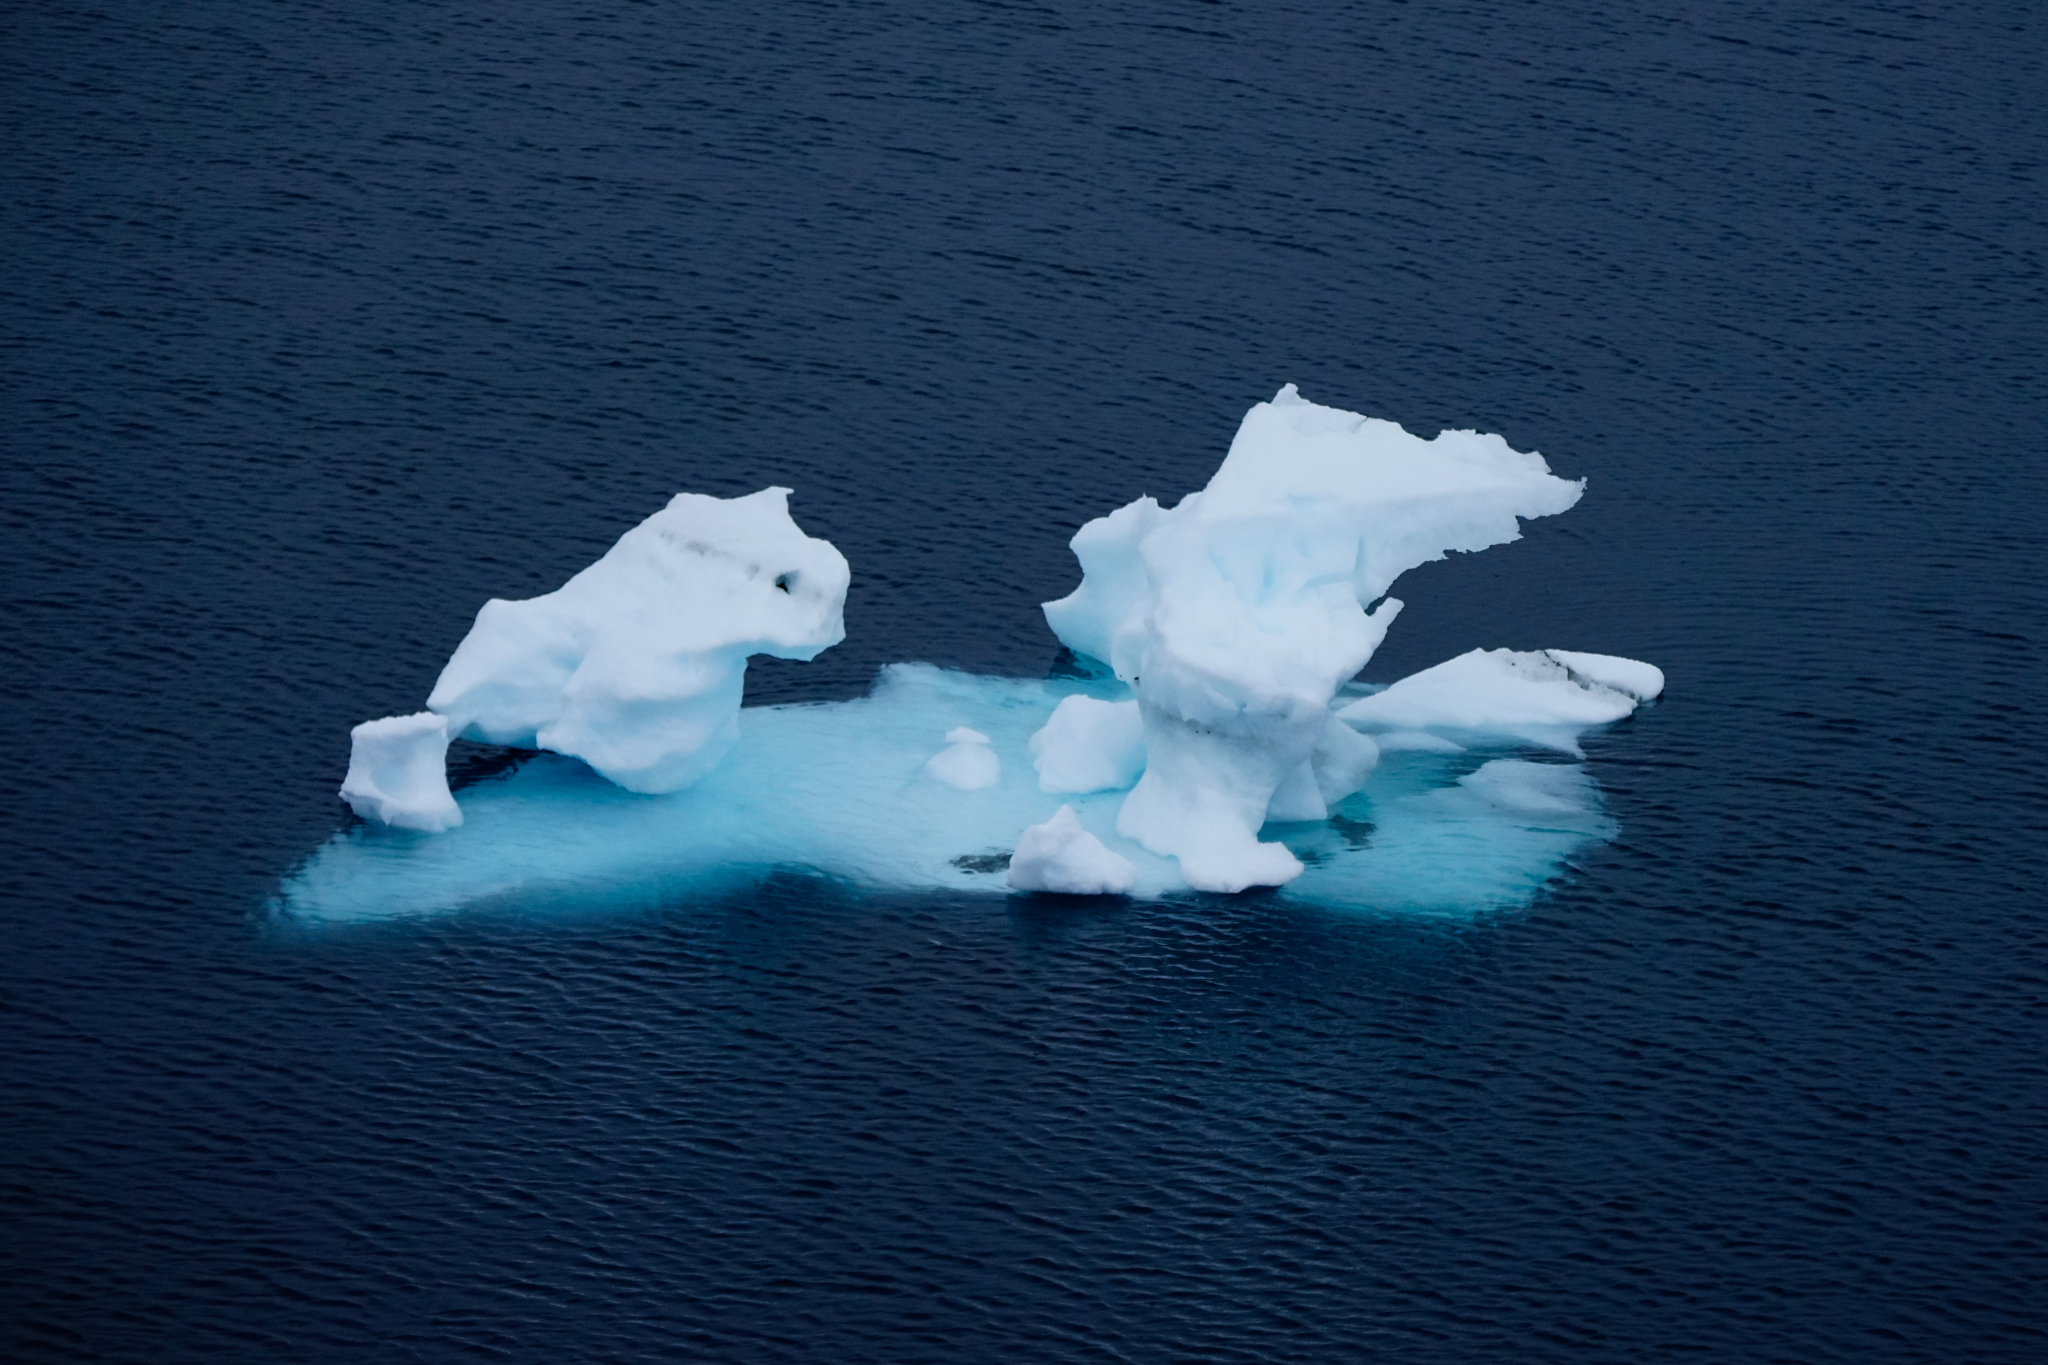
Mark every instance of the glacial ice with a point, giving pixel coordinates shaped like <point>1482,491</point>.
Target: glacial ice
<point>1644,682</point>
<point>1062,856</point>
<point>1212,754</point>
<point>398,773</point>
<point>1237,614</point>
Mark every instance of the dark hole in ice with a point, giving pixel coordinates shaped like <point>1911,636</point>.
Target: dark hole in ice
<point>1357,833</point>
<point>782,581</point>
<point>470,763</point>
<point>1068,664</point>
<point>982,862</point>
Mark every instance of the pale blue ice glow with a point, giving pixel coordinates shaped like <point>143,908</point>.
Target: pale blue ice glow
<point>841,788</point>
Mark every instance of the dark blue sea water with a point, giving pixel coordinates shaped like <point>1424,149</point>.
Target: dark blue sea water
<point>323,323</point>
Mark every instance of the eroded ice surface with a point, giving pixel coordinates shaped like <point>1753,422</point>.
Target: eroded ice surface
<point>398,773</point>
<point>1089,745</point>
<point>636,665</point>
<point>1061,856</point>
<point>1236,615</point>
<point>844,788</point>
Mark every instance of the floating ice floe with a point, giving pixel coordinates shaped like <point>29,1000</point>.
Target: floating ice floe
<point>1089,745</point>
<point>1208,751</point>
<point>841,788</point>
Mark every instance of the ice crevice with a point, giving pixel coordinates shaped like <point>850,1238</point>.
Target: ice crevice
<point>1207,748</point>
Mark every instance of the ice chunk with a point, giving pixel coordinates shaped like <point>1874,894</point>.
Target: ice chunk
<point>398,773</point>
<point>969,764</point>
<point>1089,745</point>
<point>636,664</point>
<point>1236,615</point>
<point>1061,856</point>
<point>1532,695</point>
<point>1644,682</point>
<point>1112,579</point>
<point>1339,765</point>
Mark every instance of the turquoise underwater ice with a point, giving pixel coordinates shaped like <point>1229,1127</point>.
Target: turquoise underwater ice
<point>840,788</point>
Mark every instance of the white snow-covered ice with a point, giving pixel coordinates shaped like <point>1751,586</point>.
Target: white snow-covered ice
<point>398,773</point>
<point>1062,856</point>
<point>1644,682</point>
<point>1237,614</point>
<point>636,665</point>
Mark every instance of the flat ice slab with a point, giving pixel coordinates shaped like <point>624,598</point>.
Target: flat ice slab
<point>842,788</point>
<point>1546,697</point>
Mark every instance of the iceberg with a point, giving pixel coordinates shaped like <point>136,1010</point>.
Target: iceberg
<point>1644,682</point>
<point>1237,614</point>
<point>636,665</point>
<point>967,764</point>
<point>1210,752</point>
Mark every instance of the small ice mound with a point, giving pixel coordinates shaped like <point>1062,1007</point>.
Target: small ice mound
<point>1235,615</point>
<point>636,665</point>
<point>1060,856</point>
<point>1089,745</point>
<point>398,773</point>
<point>1644,682</point>
<point>969,764</point>
<point>1530,695</point>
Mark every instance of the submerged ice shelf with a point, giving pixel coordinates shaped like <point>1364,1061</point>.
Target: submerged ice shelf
<point>843,788</point>
<point>1208,749</point>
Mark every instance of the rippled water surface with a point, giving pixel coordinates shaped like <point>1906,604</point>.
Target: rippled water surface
<point>324,323</point>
